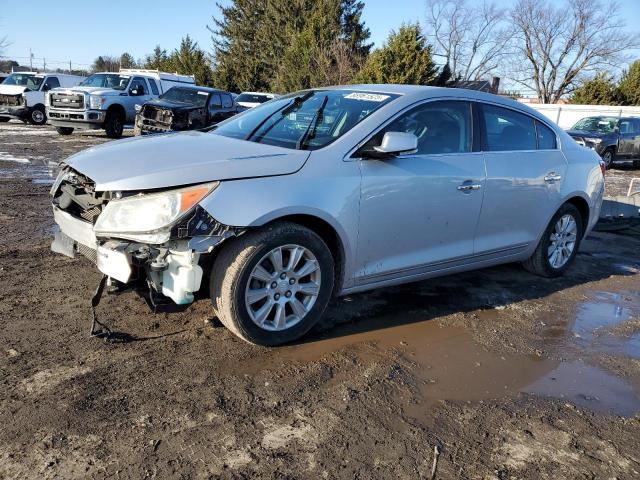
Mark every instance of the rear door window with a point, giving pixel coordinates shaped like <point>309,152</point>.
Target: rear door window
<point>154,86</point>
<point>507,130</point>
<point>546,137</point>
<point>227,101</point>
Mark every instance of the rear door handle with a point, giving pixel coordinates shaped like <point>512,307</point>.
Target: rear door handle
<point>552,177</point>
<point>469,187</point>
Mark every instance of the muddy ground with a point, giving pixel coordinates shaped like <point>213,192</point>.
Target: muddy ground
<point>495,374</point>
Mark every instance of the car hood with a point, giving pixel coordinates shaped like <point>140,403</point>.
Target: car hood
<point>584,133</point>
<point>93,90</point>
<point>11,89</point>
<point>172,105</point>
<point>177,159</point>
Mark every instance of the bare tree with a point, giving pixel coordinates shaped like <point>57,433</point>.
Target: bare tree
<point>336,63</point>
<point>471,39</point>
<point>555,47</point>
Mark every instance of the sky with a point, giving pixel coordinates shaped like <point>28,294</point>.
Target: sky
<point>80,30</point>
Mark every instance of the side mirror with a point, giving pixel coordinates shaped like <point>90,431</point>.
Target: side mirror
<point>134,92</point>
<point>393,144</point>
<point>46,87</point>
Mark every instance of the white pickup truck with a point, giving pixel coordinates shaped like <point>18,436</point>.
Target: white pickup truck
<point>107,100</point>
<point>22,94</point>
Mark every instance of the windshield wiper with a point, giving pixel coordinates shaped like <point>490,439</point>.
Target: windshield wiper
<point>310,132</point>
<point>285,110</point>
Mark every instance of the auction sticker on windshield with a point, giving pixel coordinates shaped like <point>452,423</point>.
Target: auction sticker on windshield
<point>368,97</point>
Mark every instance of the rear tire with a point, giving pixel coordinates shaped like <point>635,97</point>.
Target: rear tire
<point>114,124</point>
<point>37,115</point>
<point>64,130</point>
<point>293,302</point>
<point>542,262</point>
<point>636,164</point>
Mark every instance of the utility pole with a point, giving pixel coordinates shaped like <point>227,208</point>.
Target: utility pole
<point>30,60</point>
<point>44,64</point>
<point>69,66</point>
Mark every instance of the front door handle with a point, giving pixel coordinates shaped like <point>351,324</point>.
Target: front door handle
<point>552,177</point>
<point>469,187</point>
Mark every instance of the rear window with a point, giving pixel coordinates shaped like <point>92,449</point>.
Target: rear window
<point>507,130</point>
<point>546,137</point>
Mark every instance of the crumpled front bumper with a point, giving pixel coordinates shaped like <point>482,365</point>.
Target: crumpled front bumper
<point>20,112</point>
<point>175,272</point>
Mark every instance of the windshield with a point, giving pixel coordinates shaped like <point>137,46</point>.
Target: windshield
<point>304,120</point>
<point>107,80</point>
<point>189,96</point>
<point>24,80</point>
<point>252,98</point>
<point>597,124</point>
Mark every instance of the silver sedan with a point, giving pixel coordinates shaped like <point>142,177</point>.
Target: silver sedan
<point>328,192</point>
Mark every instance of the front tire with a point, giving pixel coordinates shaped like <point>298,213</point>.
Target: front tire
<point>559,244</point>
<point>271,286</point>
<point>64,130</point>
<point>37,116</point>
<point>114,124</point>
<point>4,119</point>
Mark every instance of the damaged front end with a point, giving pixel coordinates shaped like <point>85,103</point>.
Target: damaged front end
<point>156,119</point>
<point>155,242</point>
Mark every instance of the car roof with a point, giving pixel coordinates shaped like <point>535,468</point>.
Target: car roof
<point>259,93</point>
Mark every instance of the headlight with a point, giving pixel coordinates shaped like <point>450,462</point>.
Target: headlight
<point>96,102</point>
<point>47,100</point>
<point>595,141</point>
<point>148,217</point>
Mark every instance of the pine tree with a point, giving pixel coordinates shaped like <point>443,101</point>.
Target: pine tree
<point>190,59</point>
<point>158,60</point>
<point>630,84</point>
<point>405,58</point>
<point>127,61</point>
<point>600,90</point>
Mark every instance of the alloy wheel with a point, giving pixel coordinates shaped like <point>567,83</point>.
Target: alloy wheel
<point>283,287</point>
<point>562,241</point>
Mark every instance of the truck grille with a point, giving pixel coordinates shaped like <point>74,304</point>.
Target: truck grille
<point>161,115</point>
<point>67,100</point>
<point>11,100</point>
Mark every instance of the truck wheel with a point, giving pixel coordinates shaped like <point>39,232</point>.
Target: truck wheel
<point>559,243</point>
<point>609,156</point>
<point>270,286</point>
<point>636,164</point>
<point>37,115</point>
<point>114,124</point>
<point>4,119</point>
<point>64,130</point>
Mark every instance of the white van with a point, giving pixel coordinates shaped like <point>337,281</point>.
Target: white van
<point>22,94</point>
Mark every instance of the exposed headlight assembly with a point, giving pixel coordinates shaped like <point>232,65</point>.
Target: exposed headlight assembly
<point>96,102</point>
<point>149,217</point>
<point>595,141</point>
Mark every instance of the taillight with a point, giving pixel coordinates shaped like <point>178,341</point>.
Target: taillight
<point>603,168</point>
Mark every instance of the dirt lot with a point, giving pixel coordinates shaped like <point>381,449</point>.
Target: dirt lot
<point>494,374</point>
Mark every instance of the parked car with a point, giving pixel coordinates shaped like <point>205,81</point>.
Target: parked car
<point>327,192</point>
<point>614,138</point>
<point>107,100</point>
<point>252,99</point>
<point>22,94</point>
<point>185,108</point>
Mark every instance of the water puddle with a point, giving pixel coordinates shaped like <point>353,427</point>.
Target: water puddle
<point>37,169</point>
<point>451,365</point>
<point>610,323</point>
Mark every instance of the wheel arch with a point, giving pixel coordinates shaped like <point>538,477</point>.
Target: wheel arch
<point>327,232</point>
<point>583,207</point>
<point>116,107</point>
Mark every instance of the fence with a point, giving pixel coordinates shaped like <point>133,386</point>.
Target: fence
<point>567,115</point>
